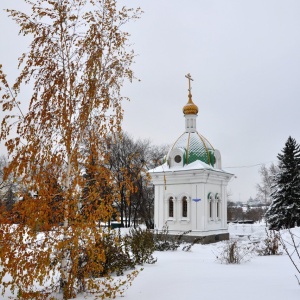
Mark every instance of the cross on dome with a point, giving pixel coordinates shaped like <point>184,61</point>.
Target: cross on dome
<point>189,77</point>
<point>190,108</point>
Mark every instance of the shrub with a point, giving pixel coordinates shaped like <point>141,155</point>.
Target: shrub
<point>141,244</point>
<point>270,245</point>
<point>165,242</point>
<point>117,258</point>
<point>188,247</point>
<point>233,252</point>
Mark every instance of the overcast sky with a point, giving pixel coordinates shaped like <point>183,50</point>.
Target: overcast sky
<point>244,57</point>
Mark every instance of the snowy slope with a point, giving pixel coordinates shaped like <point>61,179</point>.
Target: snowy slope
<point>198,275</point>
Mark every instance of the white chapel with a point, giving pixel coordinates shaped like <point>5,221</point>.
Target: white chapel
<point>190,187</point>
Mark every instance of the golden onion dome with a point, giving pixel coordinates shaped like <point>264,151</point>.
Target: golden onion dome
<point>190,108</point>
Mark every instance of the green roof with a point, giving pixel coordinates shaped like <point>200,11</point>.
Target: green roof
<point>196,147</point>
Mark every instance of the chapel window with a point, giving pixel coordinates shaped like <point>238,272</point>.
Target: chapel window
<point>210,205</point>
<point>184,207</point>
<point>171,207</point>
<point>218,206</point>
<point>177,159</point>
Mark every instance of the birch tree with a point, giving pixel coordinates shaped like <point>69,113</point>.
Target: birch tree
<point>266,186</point>
<point>77,62</point>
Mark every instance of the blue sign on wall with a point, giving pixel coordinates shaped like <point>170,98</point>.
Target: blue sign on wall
<point>196,199</point>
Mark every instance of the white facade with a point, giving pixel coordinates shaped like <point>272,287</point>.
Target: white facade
<point>190,187</point>
<point>202,187</point>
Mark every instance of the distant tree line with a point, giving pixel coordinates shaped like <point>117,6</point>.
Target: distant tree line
<point>235,212</point>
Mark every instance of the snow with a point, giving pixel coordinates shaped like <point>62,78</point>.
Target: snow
<point>196,165</point>
<point>198,275</point>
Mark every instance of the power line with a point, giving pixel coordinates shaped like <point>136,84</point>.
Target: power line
<point>250,166</point>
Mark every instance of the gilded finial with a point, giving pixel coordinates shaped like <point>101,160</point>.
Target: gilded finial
<point>190,108</point>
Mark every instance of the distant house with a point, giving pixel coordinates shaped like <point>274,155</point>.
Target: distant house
<point>254,202</point>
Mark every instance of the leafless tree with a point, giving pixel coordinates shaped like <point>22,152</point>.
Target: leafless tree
<point>129,161</point>
<point>265,188</point>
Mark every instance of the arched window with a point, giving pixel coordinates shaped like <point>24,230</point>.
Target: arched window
<point>218,200</point>
<point>171,207</point>
<point>210,205</point>
<point>184,207</point>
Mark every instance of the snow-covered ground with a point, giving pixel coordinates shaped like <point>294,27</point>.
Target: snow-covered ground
<point>198,275</point>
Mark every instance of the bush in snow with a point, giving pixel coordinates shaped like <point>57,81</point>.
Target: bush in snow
<point>189,246</point>
<point>270,245</point>
<point>141,245</point>
<point>165,242</point>
<point>117,256</point>
<point>121,253</point>
<point>234,252</point>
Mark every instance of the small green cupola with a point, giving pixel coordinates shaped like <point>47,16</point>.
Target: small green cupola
<point>193,147</point>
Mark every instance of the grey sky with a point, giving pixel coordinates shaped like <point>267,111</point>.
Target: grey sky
<point>244,57</point>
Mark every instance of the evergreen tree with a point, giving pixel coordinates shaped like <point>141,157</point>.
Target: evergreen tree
<point>284,212</point>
